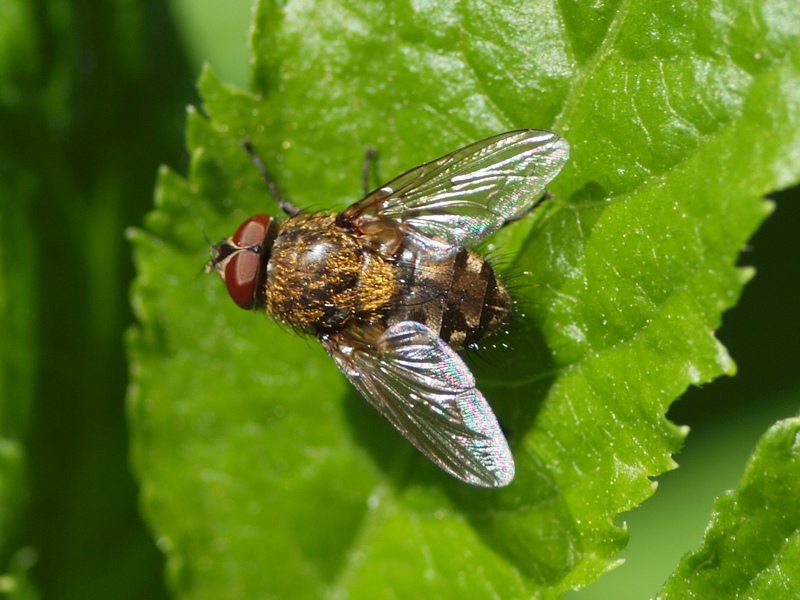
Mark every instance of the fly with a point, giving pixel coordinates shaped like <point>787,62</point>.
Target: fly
<point>392,289</point>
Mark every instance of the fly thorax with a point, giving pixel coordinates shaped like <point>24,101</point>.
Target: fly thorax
<point>319,276</point>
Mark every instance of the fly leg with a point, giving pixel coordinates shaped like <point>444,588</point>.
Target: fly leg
<point>546,196</point>
<point>286,206</point>
<point>370,162</point>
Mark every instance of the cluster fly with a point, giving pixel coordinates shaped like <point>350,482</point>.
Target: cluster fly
<point>392,290</point>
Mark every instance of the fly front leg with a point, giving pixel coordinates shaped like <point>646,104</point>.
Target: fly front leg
<point>286,206</point>
<point>370,162</point>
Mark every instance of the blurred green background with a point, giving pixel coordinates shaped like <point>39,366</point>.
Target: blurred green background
<point>92,99</point>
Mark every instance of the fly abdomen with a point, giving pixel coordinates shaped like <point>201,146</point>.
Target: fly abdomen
<point>477,302</point>
<point>460,298</point>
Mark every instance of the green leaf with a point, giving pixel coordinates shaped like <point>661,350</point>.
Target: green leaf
<point>265,474</point>
<point>752,545</point>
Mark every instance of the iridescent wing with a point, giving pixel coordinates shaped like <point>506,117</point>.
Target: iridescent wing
<point>459,199</point>
<point>425,390</point>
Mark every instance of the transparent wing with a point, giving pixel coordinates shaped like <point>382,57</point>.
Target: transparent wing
<point>425,390</point>
<point>459,199</point>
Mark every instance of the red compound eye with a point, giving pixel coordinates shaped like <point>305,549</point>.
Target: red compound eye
<point>252,232</point>
<point>249,250</point>
<point>242,277</point>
